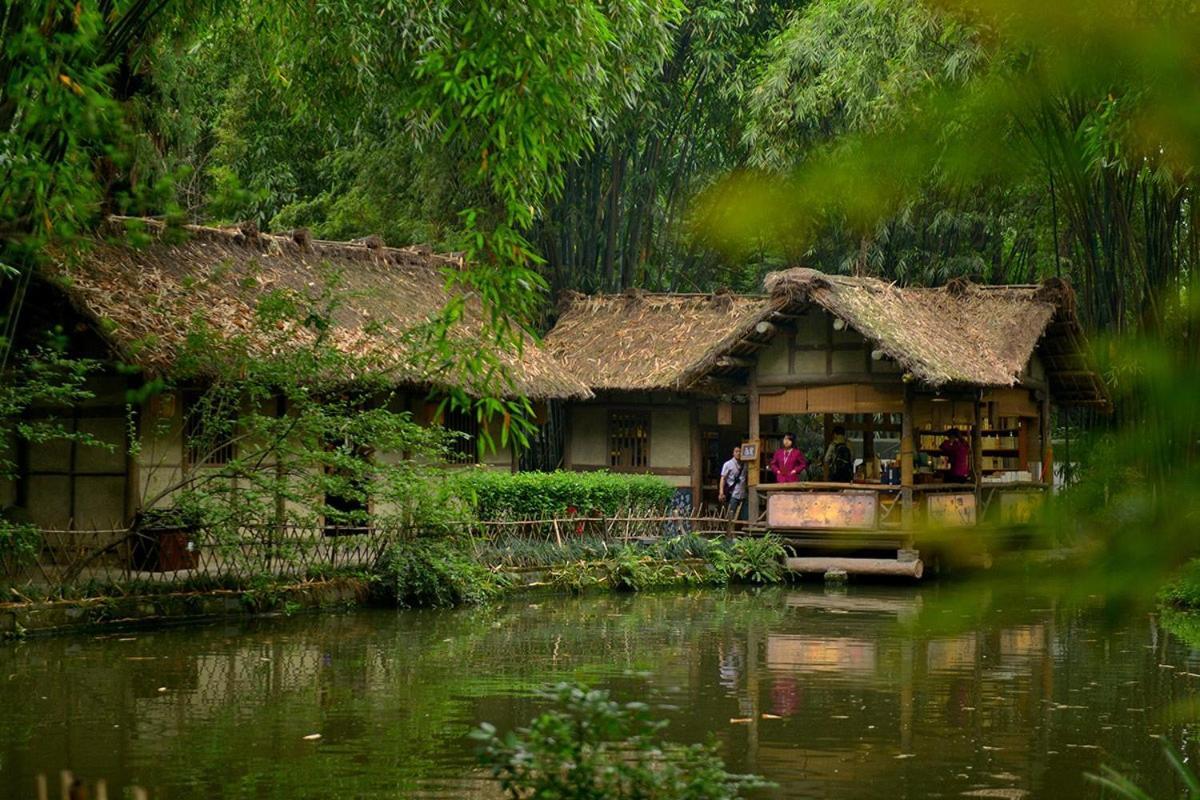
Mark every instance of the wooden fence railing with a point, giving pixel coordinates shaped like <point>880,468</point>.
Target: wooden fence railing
<point>119,562</point>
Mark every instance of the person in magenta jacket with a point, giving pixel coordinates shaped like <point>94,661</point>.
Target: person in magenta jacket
<point>788,462</point>
<point>958,452</point>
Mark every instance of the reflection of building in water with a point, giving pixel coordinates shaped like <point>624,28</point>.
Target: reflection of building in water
<point>815,654</point>
<point>1022,642</point>
<point>953,654</point>
<point>849,691</point>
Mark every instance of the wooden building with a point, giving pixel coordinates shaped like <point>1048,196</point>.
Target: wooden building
<point>678,380</point>
<point>137,305</point>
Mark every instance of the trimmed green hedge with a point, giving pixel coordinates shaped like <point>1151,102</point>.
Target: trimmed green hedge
<point>530,495</point>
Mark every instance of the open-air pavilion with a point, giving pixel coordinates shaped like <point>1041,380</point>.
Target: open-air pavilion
<point>884,361</point>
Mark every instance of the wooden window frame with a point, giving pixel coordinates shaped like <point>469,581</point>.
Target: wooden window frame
<point>609,441</point>
<point>220,456</point>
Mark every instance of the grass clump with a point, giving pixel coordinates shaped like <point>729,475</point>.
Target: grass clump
<point>1183,592</point>
<point>747,560</point>
<point>434,573</point>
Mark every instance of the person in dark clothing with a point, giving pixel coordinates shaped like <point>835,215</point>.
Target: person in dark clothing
<point>839,459</point>
<point>956,449</point>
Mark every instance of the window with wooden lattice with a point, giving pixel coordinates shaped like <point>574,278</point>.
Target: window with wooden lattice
<point>629,440</point>
<point>209,429</point>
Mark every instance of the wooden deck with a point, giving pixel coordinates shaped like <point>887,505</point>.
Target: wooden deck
<point>862,528</point>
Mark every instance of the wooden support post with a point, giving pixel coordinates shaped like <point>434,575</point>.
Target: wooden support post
<point>1047,444</point>
<point>907,517</point>
<point>828,424</point>
<point>697,460</point>
<point>754,435</point>
<point>977,449</point>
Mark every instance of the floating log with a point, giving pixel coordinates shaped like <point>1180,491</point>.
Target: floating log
<point>856,566</point>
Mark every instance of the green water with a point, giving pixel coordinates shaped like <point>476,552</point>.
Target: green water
<point>874,693</point>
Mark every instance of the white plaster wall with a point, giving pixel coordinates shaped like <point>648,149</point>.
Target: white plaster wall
<point>670,438</point>
<point>589,434</point>
<point>773,359</point>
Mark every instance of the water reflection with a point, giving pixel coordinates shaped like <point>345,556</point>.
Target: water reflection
<point>863,694</point>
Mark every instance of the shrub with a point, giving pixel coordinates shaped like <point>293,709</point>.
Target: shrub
<point>573,577</point>
<point>1184,590</point>
<point>19,544</point>
<point>434,573</point>
<point>631,571</point>
<point>749,560</point>
<point>593,748</point>
<point>529,495</point>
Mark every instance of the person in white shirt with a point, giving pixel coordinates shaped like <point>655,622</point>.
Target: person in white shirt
<point>732,490</point>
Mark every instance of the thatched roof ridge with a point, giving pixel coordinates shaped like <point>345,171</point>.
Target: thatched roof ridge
<point>147,300</point>
<point>961,333</point>
<point>641,341</point>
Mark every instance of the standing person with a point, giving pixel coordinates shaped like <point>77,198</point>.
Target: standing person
<point>956,449</point>
<point>788,462</point>
<point>732,490</point>
<point>839,459</point>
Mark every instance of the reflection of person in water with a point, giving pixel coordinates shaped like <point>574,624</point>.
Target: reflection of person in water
<point>731,668</point>
<point>785,696</point>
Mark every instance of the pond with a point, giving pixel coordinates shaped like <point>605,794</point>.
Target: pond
<point>858,693</point>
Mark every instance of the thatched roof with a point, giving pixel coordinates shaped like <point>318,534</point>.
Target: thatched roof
<point>641,341</point>
<point>961,334</point>
<point>146,301</point>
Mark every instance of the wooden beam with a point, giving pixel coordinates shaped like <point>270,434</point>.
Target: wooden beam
<point>765,328</point>
<point>697,459</point>
<point>1047,444</point>
<point>733,362</point>
<point>906,462</point>
<point>829,347</point>
<point>568,434</point>
<point>977,450</point>
<point>892,381</point>
<point>754,435</point>
<point>856,566</point>
<point>828,430</point>
<point>838,347</point>
<point>1061,374</point>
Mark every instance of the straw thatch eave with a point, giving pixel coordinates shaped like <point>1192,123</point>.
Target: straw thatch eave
<point>145,301</point>
<point>958,336</point>
<point>643,341</point>
<point>961,334</point>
